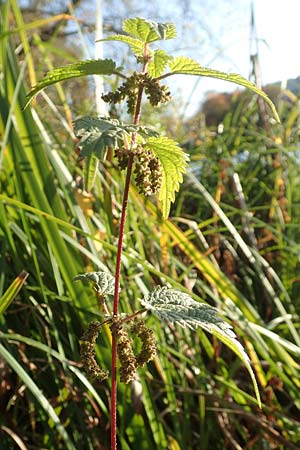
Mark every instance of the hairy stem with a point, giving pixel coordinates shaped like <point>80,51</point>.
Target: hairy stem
<point>113,406</point>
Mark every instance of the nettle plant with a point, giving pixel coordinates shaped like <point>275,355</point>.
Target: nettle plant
<point>157,164</point>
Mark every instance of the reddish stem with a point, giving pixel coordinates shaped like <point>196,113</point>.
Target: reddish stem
<point>113,405</point>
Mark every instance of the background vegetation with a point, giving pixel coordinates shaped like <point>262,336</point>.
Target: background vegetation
<point>232,240</point>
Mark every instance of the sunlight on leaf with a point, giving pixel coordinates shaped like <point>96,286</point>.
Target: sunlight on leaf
<point>174,163</point>
<point>136,45</point>
<point>148,30</point>
<point>12,291</point>
<point>158,63</point>
<point>78,69</point>
<point>187,66</point>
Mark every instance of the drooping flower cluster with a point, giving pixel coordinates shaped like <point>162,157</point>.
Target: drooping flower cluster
<point>155,92</point>
<point>147,168</point>
<point>148,172</point>
<point>87,352</point>
<point>125,333</point>
<point>129,362</point>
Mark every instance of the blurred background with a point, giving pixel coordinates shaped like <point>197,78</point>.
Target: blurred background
<point>226,35</point>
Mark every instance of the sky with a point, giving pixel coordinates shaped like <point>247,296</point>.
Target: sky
<point>278,24</point>
<point>278,33</point>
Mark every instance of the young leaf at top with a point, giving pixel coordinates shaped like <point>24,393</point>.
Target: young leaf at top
<point>148,30</point>
<point>174,163</point>
<point>177,307</point>
<point>78,69</point>
<point>187,66</point>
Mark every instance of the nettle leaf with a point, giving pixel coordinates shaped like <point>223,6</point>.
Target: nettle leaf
<point>104,283</point>
<point>183,64</point>
<point>158,63</point>
<point>174,163</point>
<point>148,30</point>
<point>178,307</point>
<point>98,133</point>
<point>187,66</point>
<point>78,69</point>
<point>145,132</point>
<point>136,45</point>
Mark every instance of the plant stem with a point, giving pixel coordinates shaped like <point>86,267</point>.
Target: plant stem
<point>113,405</point>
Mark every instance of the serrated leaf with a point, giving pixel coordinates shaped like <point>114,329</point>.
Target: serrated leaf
<point>104,282</point>
<point>78,69</point>
<point>85,123</point>
<point>146,131</point>
<point>98,133</point>
<point>148,30</point>
<point>183,64</point>
<point>174,163</point>
<point>90,171</point>
<point>158,63</point>
<point>136,45</point>
<point>187,66</point>
<point>178,307</point>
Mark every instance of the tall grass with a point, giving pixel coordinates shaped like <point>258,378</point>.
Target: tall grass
<point>196,394</point>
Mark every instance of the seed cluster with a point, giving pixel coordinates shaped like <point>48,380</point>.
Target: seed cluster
<point>128,361</point>
<point>128,364</point>
<point>147,168</point>
<point>146,335</point>
<point>122,154</point>
<point>156,93</point>
<point>88,355</point>
<point>148,172</point>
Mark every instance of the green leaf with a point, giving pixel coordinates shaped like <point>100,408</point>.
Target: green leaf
<point>97,134</point>
<point>159,62</point>
<point>136,45</point>
<point>174,163</point>
<point>104,282</point>
<point>178,307</point>
<point>183,64</point>
<point>12,291</point>
<point>78,69</point>
<point>148,30</point>
<point>144,131</point>
<point>187,66</point>
<point>90,171</point>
